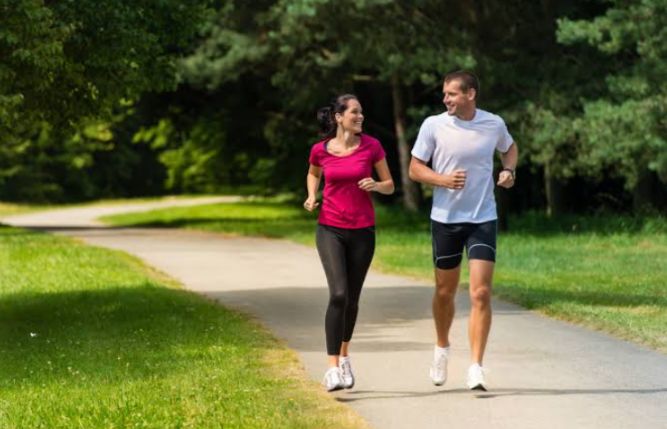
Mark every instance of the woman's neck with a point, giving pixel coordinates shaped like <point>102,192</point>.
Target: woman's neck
<point>347,138</point>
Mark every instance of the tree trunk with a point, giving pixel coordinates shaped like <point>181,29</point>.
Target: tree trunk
<point>411,191</point>
<point>554,192</point>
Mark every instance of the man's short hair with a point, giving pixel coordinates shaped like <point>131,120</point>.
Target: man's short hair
<point>467,80</point>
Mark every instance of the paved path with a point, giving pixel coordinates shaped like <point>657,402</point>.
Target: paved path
<point>544,373</point>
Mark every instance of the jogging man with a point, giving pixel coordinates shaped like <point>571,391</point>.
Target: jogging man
<point>460,145</point>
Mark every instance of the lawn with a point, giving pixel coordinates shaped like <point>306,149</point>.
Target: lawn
<point>9,209</point>
<point>605,272</point>
<point>91,338</point>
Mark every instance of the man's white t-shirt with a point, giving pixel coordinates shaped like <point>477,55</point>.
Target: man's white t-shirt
<point>451,144</point>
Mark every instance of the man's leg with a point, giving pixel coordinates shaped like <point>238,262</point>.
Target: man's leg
<point>479,324</point>
<point>448,242</point>
<point>446,283</point>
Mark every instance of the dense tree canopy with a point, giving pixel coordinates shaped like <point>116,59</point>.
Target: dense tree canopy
<point>124,98</point>
<point>65,67</point>
<point>624,127</point>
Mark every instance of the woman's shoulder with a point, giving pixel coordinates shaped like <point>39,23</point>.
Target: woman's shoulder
<point>370,139</point>
<point>318,146</point>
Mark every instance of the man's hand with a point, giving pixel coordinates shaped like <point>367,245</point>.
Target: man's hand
<point>455,180</point>
<point>506,179</point>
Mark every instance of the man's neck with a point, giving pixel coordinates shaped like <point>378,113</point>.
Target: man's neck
<point>468,115</point>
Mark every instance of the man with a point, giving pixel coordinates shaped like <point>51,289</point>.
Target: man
<point>460,145</point>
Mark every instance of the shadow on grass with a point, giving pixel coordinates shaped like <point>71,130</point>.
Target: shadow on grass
<point>116,333</point>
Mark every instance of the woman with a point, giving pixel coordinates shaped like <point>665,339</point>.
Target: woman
<point>346,226</point>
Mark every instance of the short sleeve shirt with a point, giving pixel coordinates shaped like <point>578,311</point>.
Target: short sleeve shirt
<point>344,204</point>
<point>451,144</point>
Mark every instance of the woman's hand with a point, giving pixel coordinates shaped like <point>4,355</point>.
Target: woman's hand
<point>368,184</point>
<point>310,204</point>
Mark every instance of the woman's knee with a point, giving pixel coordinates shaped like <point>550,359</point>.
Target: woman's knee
<point>338,299</point>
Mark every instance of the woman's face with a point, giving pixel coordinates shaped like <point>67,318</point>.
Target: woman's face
<point>352,118</point>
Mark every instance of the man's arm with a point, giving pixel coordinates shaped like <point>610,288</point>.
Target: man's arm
<point>420,172</point>
<point>509,160</point>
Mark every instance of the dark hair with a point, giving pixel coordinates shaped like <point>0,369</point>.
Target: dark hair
<point>326,116</point>
<point>467,79</point>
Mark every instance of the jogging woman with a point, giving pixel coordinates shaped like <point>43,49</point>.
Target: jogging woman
<point>346,225</point>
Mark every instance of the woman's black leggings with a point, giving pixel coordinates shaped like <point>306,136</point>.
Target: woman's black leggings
<point>346,255</point>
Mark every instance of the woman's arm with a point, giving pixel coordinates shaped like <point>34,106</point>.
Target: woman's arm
<point>312,185</point>
<point>385,185</point>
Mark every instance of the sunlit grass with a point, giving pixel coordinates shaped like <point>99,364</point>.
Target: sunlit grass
<point>8,209</point>
<point>607,272</point>
<point>90,338</point>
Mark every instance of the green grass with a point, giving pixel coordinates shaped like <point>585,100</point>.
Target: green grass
<point>605,272</point>
<point>264,218</point>
<point>8,209</point>
<point>90,338</point>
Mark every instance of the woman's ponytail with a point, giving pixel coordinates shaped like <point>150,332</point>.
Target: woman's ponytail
<point>326,116</point>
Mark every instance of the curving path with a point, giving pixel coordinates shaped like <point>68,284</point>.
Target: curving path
<point>543,373</point>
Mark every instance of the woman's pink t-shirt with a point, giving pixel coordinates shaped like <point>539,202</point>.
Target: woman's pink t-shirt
<point>344,204</point>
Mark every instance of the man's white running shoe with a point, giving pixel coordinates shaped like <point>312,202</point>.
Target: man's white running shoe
<point>333,379</point>
<point>476,378</point>
<point>438,370</point>
<point>346,372</point>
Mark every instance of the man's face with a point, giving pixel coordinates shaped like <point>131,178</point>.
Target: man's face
<point>457,101</point>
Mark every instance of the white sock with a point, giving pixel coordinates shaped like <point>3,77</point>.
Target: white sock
<point>439,351</point>
<point>344,359</point>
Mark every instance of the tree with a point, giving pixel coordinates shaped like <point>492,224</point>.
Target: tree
<point>67,64</point>
<point>624,128</point>
<point>312,50</point>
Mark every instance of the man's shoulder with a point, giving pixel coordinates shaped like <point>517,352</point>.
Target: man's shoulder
<point>434,119</point>
<point>485,116</point>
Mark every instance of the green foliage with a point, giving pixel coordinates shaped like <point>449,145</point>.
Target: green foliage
<point>68,63</point>
<point>625,126</point>
<point>310,51</point>
<point>199,95</point>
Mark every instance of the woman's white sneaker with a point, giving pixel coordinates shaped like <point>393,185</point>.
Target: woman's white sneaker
<point>333,379</point>
<point>476,377</point>
<point>346,371</point>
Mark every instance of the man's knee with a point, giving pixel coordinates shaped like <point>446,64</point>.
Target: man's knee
<point>445,293</point>
<point>480,296</point>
